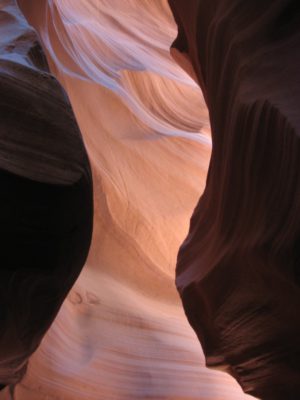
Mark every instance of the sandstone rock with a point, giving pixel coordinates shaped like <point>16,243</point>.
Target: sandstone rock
<point>46,195</point>
<point>238,269</point>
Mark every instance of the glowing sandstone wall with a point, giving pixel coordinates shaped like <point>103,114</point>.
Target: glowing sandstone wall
<point>122,334</point>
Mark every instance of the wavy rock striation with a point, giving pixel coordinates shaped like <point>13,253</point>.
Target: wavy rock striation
<point>238,269</point>
<point>122,334</point>
<point>46,195</point>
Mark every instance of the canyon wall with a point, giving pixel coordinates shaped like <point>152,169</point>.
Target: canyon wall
<point>46,195</point>
<point>238,269</point>
<point>122,334</point>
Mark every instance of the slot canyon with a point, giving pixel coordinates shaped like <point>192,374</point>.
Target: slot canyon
<point>150,210</point>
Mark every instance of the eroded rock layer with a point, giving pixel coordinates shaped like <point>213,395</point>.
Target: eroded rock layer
<point>122,334</point>
<point>238,269</point>
<point>46,195</point>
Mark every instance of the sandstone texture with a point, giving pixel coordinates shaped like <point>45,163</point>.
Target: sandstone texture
<point>238,269</point>
<point>46,195</point>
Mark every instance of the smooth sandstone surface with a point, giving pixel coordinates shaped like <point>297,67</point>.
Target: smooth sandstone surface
<point>122,334</point>
<point>238,269</point>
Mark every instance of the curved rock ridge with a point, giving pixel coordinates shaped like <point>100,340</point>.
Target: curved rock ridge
<point>46,195</point>
<point>238,269</point>
<point>127,52</point>
<point>122,333</point>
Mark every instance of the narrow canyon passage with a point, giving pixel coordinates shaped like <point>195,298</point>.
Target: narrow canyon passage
<point>132,70</point>
<point>121,333</point>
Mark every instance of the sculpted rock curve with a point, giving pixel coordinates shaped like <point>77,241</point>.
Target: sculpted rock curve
<point>238,269</point>
<point>46,195</point>
<point>122,334</point>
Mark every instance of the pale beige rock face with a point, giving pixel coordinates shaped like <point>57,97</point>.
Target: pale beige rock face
<point>122,334</point>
